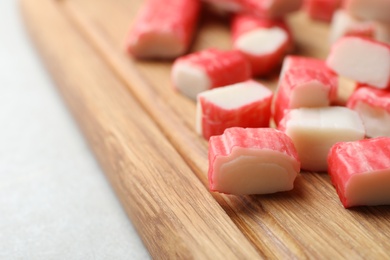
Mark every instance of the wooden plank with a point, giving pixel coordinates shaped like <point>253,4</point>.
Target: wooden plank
<point>173,212</point>
<point>308,222</point>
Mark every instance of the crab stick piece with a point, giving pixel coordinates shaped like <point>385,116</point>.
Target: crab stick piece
<point>252,161</point>
<point>315,130</point>
<point>211,68</point>
<point>264,42</point>
<point>360,171</point>
<point>369,9</point>
<point>373,106</point>
<point>163,29</point>
<point>344,24</point>
<point>246,104</point>
<point>304,82</point>
<point>363,60</point>
<point>303,88</point>
<point>321,9</point>
<point>260,8</point>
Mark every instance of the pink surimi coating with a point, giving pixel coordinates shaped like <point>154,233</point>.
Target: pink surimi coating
<point>253,111</point>
<point>368,160</point>
<point>321,9</point>
<point>260,8</point>
<point>308,73</point>
<point>249,139</point>
<point>222,67</point>
<point>262,62</point>
<point>163,29</point>
<point>361,59</point>
<point>369,9</point>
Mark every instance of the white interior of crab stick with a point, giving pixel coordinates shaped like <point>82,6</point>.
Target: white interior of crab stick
<point>168,45</point>
<point>247,171</point>
<point>376,119</point>
<point>362,60</point>
<point>314,131</point>
<point>232,97</point>
<point>190,80</point>
<point>262,41</point>
<point>311,94</point>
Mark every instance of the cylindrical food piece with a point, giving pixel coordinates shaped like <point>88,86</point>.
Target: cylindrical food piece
<point>246,104</point>
<point>163,29</point>
<point>263,41</point>
<point>209,69</point>
<point>360,171</point>
<point>252,161</point>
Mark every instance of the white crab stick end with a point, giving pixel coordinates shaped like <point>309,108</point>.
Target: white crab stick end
<point>207,69</point>
<point>344,24</point>
<point>252,161</point>
<point>246,104</point>
<point>360,171</point>
<point>260,8</point>
<point>321,9</point>
<point>369,9</point>
<point>361,59</point>
<point>373,106</point>
<point>315,130</point>
<point>161,32</point>
<point>263,41</point>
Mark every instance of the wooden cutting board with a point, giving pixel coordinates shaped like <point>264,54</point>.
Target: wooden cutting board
<point>142,133</point>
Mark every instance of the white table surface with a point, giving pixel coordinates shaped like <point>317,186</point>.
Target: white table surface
<point>55,202</point>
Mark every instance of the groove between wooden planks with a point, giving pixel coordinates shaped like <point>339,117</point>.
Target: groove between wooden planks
<point>171,209</point>
<point>307,222</point>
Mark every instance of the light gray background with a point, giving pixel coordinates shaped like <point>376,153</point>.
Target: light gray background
<point>55,202</point>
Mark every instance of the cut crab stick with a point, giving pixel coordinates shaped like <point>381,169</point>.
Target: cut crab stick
<point>209,69</point>
<point>246,104</point>
<point>252,161</point>
<point>373,105</point>
<point>163,29</point>
<point>362,60</point>
<point>369,9</point>
<point>360,172</point>
<point>344,24</point>
<point>321,9</point>
<point>315,130</point>
<point>304,82</point>
<point>263,41</point>
<point>303,88</point>
<point>260,8</point>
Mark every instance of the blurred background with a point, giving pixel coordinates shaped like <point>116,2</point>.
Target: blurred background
<point>55,202</point>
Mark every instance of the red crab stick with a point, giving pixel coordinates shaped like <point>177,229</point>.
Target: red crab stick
<point>209,69</point>
<point>304,82</point>
<point>263,41</point>
<point>369,9</point>
<point>252,161</point>
<point>246,104</point>
<point>373,106</point>
<point>163,29</point>
<point>362,60</point>
<point>360,171</point>
<point>260,8</point>
<point>321,9</point>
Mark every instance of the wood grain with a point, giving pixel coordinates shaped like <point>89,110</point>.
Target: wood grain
<point>308,222</point>
<point>164,199</point>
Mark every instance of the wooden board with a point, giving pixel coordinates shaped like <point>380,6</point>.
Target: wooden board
<point>142,133</point>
